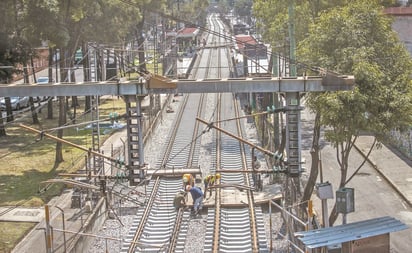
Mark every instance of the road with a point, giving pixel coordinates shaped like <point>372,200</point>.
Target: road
<point>374,196</point>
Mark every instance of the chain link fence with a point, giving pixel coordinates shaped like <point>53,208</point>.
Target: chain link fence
<point>402,141</point>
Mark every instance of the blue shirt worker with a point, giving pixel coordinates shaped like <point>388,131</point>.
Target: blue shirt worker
<point>197,196</point>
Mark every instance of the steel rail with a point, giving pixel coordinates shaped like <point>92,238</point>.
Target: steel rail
<point>163,216</point>
<point>196,130</point>
<point>218,192</point>
<point>174,239</point>
<point>226,223</point>
<point>170,143</point>
<point>145,216</point>
<point>253,227</point>
<point>176,229</point>
<point>234,222</point>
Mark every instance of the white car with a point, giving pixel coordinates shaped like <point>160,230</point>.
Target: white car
<point>16,103</point>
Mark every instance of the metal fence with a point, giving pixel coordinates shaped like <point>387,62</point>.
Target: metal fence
<point>402,141</point>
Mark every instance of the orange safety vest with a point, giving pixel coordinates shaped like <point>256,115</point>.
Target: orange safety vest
<point>210,179</point>
<point>187,178</point>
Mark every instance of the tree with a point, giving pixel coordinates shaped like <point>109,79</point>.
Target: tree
<point>64,24</point>
<point>14,50</point>
<point>7,68</point>
<point>357,39</point>
<point>272,21</point>
<point>243,8</point>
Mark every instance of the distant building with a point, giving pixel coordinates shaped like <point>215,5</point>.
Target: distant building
<point>251,57</point>
<point>40,62</point>
<point>402,24</point>
<point>403,2</point>
<point>187,39</point>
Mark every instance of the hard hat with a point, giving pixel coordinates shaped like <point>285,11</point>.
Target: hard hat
<point>218,175</point>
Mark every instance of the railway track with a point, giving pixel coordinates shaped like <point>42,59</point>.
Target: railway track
<point>234,229</point>
<point>158,227</point>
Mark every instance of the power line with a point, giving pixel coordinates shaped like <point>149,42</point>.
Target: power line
<point>319,70</point>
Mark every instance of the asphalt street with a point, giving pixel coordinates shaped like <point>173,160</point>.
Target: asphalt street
<point>383,186</point>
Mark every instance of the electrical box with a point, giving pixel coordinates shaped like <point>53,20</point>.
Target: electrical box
<point>324,190</point>
<point>345,200</point>
<point>76,200</point>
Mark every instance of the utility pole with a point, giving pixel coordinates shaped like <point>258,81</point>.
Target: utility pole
<point>292,44</point>
<point>293,139</point>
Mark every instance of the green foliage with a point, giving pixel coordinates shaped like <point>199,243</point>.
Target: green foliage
<point>191,10</point>
<point>243,7</point>
<point>8,58</point>
<point>14,48</point>
<point>272,19</point>
<point>357,39</point>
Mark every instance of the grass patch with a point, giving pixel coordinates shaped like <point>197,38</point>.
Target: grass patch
<point>12,233</point>
<point>27,161</point>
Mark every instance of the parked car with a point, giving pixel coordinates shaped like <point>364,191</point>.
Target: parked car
<point>16,103</point>
<point>43,79</point>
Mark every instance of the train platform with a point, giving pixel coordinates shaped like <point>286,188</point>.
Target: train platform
<point>183,66</point>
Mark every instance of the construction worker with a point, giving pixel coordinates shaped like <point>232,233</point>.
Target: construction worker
<point>188,180</point>
<point>197,196</point>
<point>180,200</point>
<point>209,181</point>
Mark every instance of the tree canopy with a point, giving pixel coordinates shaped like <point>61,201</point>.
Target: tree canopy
<point>358,39</point>
<point>346,37</point>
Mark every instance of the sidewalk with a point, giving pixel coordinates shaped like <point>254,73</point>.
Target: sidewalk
<point>391,165</point>
<point>35,240</point>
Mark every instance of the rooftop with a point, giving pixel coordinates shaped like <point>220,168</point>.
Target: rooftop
<point>349,232</point>
<point>187,32</point>
<point>399,11</point>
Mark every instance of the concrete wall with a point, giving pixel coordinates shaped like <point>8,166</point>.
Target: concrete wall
<point>403,26</point>
<point>91,226</point>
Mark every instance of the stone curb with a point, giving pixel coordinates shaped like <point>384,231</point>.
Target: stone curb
<point>381,173</point>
